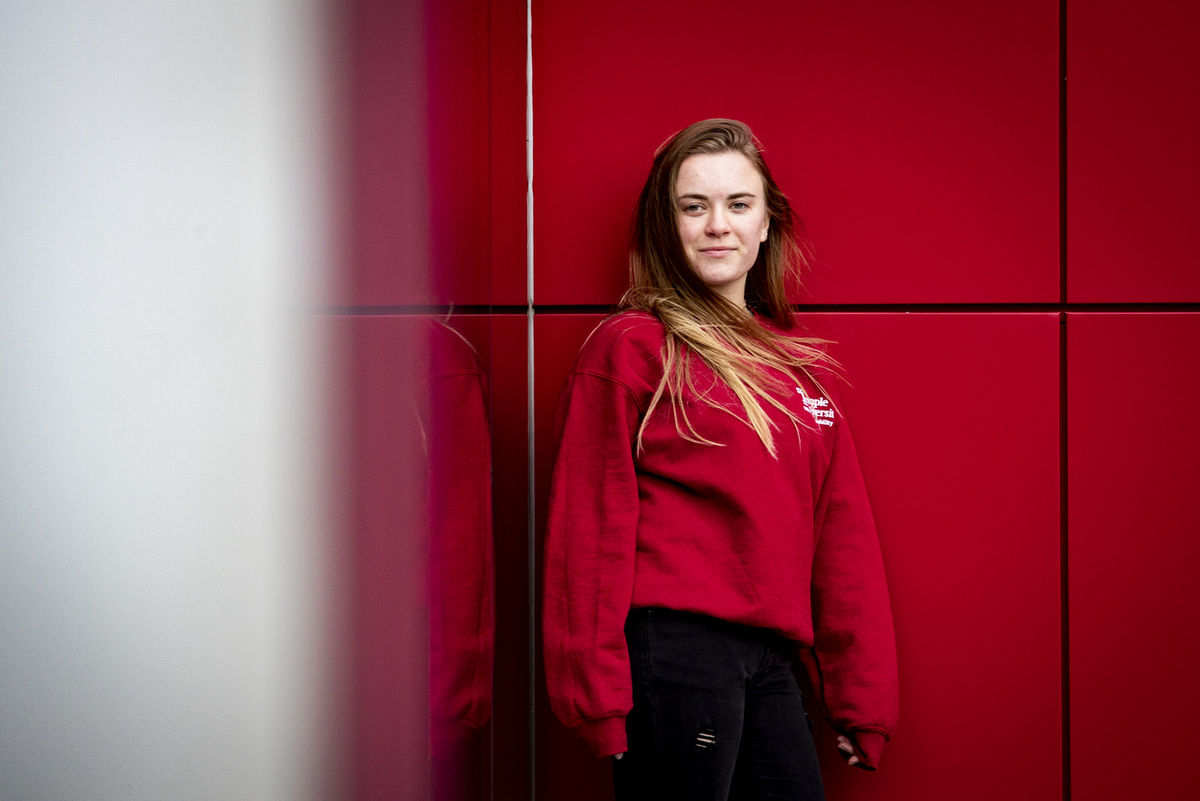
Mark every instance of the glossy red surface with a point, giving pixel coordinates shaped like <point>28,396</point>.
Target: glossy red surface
<point>564,768</point>
<point>920,144</point>
<point>391,585</point>
<point>385,641</point>
<point>476,202</point>
<point>379,156</point>
<point>431,154</point>
<point>512,716</point>
<point>961,460</point>
<point>919,140</point>
<point>1133,440</point>
<point>507,264</point>
<point>1132,126</point>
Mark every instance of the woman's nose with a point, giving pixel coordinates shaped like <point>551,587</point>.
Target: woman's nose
<point>718,224</point>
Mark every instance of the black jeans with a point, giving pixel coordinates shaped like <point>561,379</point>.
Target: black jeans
<point>716,714</point>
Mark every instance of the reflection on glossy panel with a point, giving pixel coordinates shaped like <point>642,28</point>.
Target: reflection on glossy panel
<point>1133,439</point>
<point>432,135</point>
<point>419,548</point>
<point>503,337</point>
<point>565,768</point>
<point>918,140</point>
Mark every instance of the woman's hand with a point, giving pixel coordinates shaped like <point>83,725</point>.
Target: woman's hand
<point>846,749</point>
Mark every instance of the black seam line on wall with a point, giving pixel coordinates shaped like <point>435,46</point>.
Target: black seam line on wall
<point>446,310</point>
<point>920,308</point>
<point>1064,534</point>
<point>450,311</point>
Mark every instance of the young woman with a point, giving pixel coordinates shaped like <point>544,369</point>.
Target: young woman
<point>708,526</point>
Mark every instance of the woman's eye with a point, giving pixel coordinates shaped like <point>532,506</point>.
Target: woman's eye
<point>739,205</point>
<point>692,208</point>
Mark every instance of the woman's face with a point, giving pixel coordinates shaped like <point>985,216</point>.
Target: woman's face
<point>721,212</point>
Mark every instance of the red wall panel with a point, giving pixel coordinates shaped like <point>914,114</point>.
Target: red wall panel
<point>919,140</point>
<point>1133,439</point>
<point>476,201</point>
<point>564,767</point>
<point>432,144</point>
<point>396,492</point>
<point>1132,126</point>
<point>920,144</point>
<point>500,340</point>
<point>961,459</point>
<point>956,420</point>
<point>511,773</point>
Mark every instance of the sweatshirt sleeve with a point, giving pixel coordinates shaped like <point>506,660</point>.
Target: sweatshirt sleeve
<point>462,578</point>
<point>853,661</point>
<point>591,539</point>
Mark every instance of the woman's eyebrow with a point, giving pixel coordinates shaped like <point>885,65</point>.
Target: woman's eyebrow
<point>734,196</point>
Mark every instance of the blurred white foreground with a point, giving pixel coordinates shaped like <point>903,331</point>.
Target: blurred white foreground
<point>164,584</point>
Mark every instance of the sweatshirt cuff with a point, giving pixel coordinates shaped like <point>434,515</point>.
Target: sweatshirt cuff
<point>870,747</point>
<point>447,736</point>
<point>605,736</point>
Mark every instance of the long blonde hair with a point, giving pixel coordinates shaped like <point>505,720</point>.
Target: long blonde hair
<point>700,323</point>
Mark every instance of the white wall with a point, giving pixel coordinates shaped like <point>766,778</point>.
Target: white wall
<point>163,580</point>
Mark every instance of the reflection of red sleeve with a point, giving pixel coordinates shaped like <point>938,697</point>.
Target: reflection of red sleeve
<point>461,578</point>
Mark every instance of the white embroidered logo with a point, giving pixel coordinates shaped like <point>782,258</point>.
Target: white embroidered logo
<point>819,408</point>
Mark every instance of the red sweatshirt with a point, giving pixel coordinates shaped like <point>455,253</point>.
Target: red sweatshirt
<point>786,544</point>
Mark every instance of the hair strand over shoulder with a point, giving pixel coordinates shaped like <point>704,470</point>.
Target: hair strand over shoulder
<point>743,353</point>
